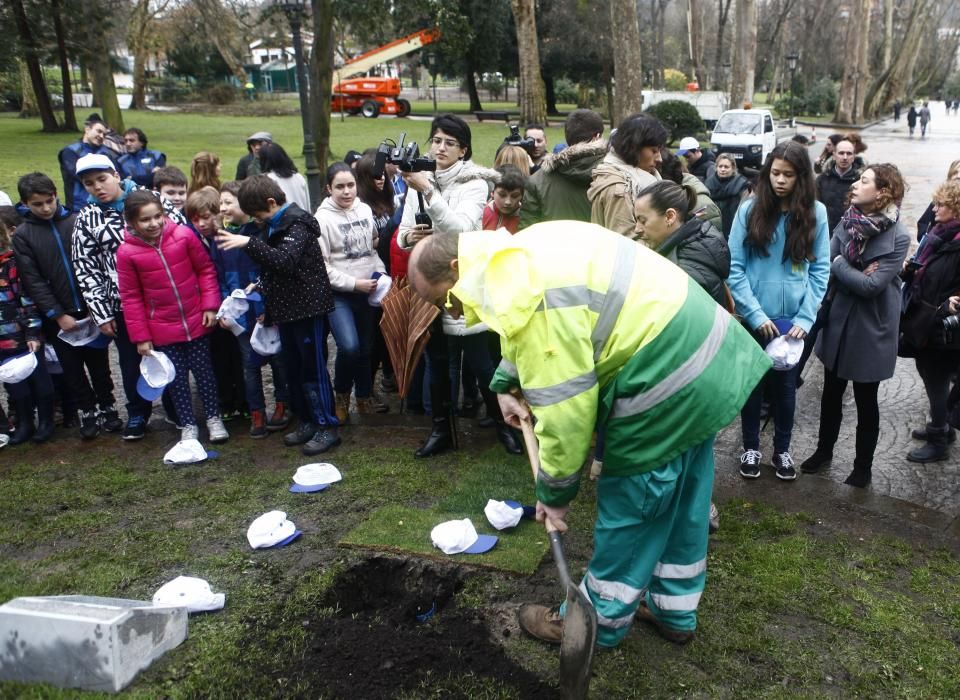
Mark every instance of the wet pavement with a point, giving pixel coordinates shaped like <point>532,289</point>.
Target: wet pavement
<point>911,488</point>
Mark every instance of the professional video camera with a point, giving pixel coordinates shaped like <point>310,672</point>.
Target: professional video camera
<point>515,139</point>
<point>407,158</point>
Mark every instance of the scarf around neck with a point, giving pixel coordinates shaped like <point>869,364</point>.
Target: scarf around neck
<point>862,227</point>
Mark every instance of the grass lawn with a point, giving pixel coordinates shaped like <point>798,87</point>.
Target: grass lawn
<point>792,610</point>
<point>24,148</point>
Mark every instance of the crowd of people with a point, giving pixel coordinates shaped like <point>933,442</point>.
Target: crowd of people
<point>133,251</point>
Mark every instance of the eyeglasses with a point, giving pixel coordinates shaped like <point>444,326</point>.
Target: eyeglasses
<point>937,205</point>
<point>449,143</point>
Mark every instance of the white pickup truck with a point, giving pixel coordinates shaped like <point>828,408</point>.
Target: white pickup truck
<point>749,135</point>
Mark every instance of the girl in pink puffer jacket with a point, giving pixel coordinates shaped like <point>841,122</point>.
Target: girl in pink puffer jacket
<point>170,296</point>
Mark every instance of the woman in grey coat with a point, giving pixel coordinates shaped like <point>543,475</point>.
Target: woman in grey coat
<point>859,340</point>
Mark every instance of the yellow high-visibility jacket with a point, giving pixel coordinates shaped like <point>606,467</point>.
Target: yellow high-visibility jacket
<point>593,325</point>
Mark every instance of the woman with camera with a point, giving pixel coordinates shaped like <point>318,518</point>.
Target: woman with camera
<point>449,200</point>
<point>858,341</point>
<point>929,329</point>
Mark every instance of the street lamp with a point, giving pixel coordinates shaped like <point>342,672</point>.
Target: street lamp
<point>296,10</point>
<point>432,62</point>
<point>792,59</point>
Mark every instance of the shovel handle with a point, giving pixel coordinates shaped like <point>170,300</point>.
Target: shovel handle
<point>533,454</point>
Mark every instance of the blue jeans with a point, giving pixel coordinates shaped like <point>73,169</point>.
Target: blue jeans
<point>130,372</point>
<point>782,388</point>
<point>253,376</point>
<point>351,323</point>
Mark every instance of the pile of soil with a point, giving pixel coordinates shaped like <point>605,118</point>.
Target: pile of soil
<point>396,626</point>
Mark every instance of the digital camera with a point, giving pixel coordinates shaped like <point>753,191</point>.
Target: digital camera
<point>515,139</point>
<point>407,158</point>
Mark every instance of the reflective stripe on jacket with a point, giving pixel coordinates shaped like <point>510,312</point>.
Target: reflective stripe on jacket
<point>591,319</point>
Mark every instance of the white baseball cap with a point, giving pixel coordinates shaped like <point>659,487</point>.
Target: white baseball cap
<point>785,351</point>
<point>94,161</point>
<point>687,143</point>
<point>460,537</point>
<point>188,592</point>
<point>15,369</point>
<point>384,283</point>
<point>272,530</point>
<point>186,452</point>
<point>86,333</point>
<point>156,371</point>
<point>265,340</point>
<point>315,477</point>
<point>503,514</point>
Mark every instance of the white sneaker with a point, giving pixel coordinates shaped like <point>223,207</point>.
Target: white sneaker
<point>189,432</point>
<point>218,433</point>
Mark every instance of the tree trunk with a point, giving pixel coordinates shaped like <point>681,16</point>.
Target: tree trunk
<point>220,29</point>
<point>893,83</point>
<point>321,77</point>
<point>775,39</point>
<point>139,45</point>
<point>533,104</point>
<point>31,56</point>
<point>627,66</point>
<point>69,113</point>
<point>888,7</point>
<point>28,101</point>
<point>745,53</point>
<point>473,94</point>
<point>695,43</point>
<point>853,86</point>
<point>104,87</point>
<point>723,13</point>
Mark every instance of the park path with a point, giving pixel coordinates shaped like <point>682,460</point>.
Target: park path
<point>903,404</point>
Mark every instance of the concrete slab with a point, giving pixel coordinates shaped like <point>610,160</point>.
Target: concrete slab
<point>84,642</point>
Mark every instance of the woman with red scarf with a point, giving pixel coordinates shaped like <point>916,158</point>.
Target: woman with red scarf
<point>933,283</point>
<point>858,342</point>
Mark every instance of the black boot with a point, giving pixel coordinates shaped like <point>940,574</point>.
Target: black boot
<point>817,461</point>
<point>44,420</point>
<point>508,438</point>
<point>921,434</point>
<point>441,438</point>
<point>826,439</point>
<point>323,440</point>
<point>305,430</point>
<point>25,427</point>
<point>934,450</point>
<point>863,462</point>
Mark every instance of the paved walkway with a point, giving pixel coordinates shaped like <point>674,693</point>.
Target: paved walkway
<point>903,404</point>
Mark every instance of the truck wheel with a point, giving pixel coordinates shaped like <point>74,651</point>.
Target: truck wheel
<point>370,109</point>
<point>403,108</point>
<point>354,111</point>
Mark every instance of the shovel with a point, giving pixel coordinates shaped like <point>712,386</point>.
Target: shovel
<point>579,619</point>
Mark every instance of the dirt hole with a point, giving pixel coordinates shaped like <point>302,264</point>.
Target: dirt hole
<point>397,628</point>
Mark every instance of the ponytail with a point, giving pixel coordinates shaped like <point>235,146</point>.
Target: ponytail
<point>665,195</point>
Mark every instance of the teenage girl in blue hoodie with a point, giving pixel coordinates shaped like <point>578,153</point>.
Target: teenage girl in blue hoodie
<point>780,263</point>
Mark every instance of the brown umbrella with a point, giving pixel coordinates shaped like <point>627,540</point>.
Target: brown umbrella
<point>406,330</point>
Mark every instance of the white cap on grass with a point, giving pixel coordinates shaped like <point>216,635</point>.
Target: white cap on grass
<point>502,514</point>
<point>460,537</point>
<point>272,530</point>
<point>188,592</point>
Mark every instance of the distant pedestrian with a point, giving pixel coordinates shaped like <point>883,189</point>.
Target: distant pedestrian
<point>896,111</point>
<point>924,119</point>
<point>834,183</point>
<point>249,165</point>
<point>139,163</point>
<point>912,119</point>
<point>858,341</point>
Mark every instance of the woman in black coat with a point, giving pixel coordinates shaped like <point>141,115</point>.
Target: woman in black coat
<point>928,329</point>
<point>727,189</point>
<point>858,341</point>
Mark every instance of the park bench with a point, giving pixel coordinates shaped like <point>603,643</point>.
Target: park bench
<point>495,114</point>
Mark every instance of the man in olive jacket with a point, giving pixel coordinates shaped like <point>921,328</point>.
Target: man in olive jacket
<point>558,190</point>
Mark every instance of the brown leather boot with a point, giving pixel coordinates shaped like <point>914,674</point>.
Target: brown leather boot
<point>280,418</point>
<point>541,622</point>
<point>343,408</point>
<point>681,637</point>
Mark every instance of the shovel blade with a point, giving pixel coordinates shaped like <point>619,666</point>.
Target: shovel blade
<point>579,640</point>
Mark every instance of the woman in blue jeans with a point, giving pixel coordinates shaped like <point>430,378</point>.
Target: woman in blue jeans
<point>349,242</point>
<point>779,266</point>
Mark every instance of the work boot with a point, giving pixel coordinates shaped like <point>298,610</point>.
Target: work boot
<point>366,406</point>
<point>280,418</point>
<point>820,459</point>
<point>258,425</point>
<point>44,420</point>
<point>89,425</point>
<point>343,407</point>
<point>25,426</point>
<point>302,434</point>
<point>324,439</point>
<point>508,438</point>
<point>541,622</point>
<point>441,438</point>
<point>676,636</point>
<point>921,434</point>
<point>934,450</point>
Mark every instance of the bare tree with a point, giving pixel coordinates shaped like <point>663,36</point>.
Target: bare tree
<point>856,70</point>
<point>321,77</point>
<point>625,33</point>
<point>695,43</point>
<point>223,29</point>
<point>745,52</point>
<point>723,13</point>
<point>533,103</point>
<point>31,57</point>
<point>69,113</point>
<point>141,40</point>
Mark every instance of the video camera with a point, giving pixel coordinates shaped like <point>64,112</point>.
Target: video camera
<point>515,139</point>
<point>407,158</point>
